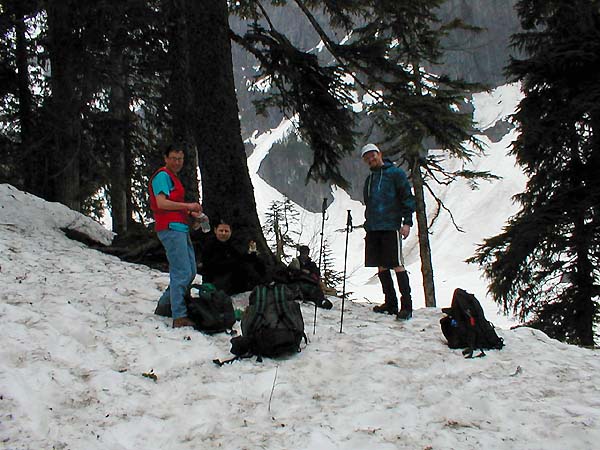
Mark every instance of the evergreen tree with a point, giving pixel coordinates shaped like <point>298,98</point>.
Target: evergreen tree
<point>544,266</point>
<point>313,93</point>
<point>179,96</point>
<point>281,228</point>
<point>15,83</point>
<point>76,130</point>
<point>331,278</point>
<point>226,186</point>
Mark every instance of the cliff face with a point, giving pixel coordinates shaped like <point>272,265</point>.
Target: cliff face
<point>479,57</point>
<point>475,57</point>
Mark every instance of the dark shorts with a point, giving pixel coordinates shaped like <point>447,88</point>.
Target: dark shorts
<point>383,249</point>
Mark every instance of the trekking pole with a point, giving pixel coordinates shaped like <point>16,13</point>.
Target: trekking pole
<point>348,230</point>
<point>323,208</point>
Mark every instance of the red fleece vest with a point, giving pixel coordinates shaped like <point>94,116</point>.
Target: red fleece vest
<point>164,217</point>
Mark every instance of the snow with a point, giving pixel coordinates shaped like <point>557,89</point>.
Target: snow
<point>85,364</point>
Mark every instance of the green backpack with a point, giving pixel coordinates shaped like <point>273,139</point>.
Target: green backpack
<point>272,325</point>
<point>212,310</point>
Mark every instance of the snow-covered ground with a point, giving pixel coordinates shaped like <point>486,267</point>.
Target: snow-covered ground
<point>80,347</point>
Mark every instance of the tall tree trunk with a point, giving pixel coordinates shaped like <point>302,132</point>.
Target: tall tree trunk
<point>421,207</point>
<point>585,310</point>
<point>423,230</point>
<point>582,242</point>
<point>118,110</point>
<point>30,165</point>
<point>65,105</point>
<point>279,243</point>
<point>226,184</point>
<point>129,188</point>
<point>180,95</point>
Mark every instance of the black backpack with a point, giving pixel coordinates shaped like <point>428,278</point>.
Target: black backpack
<point>272,325</point>
<point>212,310</point>
<point>465,325</point>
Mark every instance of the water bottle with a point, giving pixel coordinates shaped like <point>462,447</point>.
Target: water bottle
<point>201,222</point>
<point>204,223</point>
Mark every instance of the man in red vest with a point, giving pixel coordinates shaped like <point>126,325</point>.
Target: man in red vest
<point>171,214</point>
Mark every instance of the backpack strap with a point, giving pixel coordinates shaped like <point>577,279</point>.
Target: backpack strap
<point>259,305</point>
<point>261,300</point>
<point>468,353</point>
<point>278,297</point>
<point>471,329</point>
<point>220,363</point>
<point>285,309</point>
<point>472,335</point>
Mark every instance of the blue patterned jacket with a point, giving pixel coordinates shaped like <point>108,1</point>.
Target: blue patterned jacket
<point>388,199</point>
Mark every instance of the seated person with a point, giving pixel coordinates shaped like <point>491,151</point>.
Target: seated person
<point>228,268</point>
<point>304,272</point>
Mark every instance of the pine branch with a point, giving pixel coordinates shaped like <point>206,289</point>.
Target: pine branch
<point>441,205</point>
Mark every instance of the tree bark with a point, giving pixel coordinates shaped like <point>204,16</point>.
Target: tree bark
<point>30,164</point>
<point>118,111</point>
<point>585,311</point>
<point>421,207</point>
<point>65,104</point>
<point>423,230</point>
<point>181,103</point>
<point>583,239</point>
<point>226,184</point>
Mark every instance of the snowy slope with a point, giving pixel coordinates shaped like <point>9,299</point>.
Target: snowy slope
<point>78,335</point>
<point>479,213</point>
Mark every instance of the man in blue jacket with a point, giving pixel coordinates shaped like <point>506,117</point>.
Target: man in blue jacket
<point>390,205</point>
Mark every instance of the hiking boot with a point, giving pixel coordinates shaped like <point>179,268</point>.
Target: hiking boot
<point>384,309</point>
<point>183,322</point>
<point>404,314</point>
<point>390,305</point>
<point>405,297</point>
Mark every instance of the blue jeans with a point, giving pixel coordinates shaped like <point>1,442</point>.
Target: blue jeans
<point>182,269</point>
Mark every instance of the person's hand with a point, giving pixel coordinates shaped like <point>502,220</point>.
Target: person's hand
<point>251,247</point>
<point>195,215</point>
<point>405,231</point>
<point>194,207</point>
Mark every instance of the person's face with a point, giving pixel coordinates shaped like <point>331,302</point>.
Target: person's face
<point>174,161</point>
<point>223,232</point>
<point>373,159</point>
